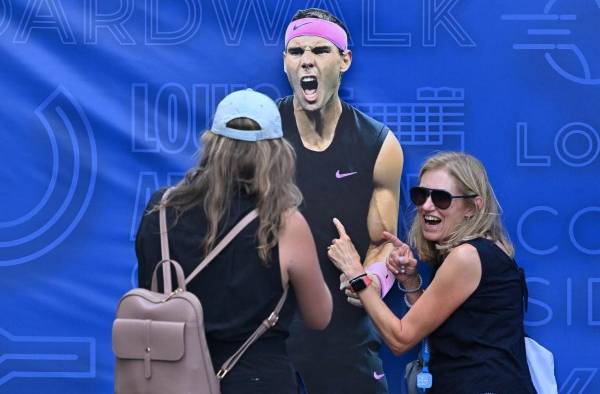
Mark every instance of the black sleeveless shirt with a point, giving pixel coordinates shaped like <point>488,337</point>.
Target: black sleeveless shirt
<point>337,183</point>
<point>480,348</point>
<point>237,292</point>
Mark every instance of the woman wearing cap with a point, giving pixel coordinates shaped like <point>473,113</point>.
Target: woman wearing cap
<point>473,309</point>
<point>245,164</point>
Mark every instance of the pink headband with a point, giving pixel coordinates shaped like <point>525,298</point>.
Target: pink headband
<point>317,27</point>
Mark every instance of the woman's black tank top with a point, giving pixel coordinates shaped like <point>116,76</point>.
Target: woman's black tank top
<point>480,348</point>
<point>237,291</point>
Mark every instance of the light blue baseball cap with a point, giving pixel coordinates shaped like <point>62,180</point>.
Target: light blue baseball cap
<point>248,104</point>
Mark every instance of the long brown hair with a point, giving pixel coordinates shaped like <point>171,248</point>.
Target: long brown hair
<point>471,178</point>
<point>263,169</point>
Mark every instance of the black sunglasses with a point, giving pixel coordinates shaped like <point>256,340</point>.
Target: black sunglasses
<point>440,198</point>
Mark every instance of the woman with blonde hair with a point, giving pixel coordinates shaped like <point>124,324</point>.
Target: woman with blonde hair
<point>244,164</point>
<point>472,312</point>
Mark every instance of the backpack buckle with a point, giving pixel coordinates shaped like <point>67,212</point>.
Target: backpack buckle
<point>221,374</point>
<point>272,319</point>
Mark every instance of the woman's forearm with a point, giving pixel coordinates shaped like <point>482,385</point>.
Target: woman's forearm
<point>389,326</point>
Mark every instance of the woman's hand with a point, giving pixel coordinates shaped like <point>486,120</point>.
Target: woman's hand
<point>343,254</point>
<point>401,262</point>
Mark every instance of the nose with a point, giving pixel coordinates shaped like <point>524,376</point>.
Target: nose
<point>308,59</point>
<point>428,204</point>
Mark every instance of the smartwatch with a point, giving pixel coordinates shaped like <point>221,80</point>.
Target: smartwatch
<point>360,283</point>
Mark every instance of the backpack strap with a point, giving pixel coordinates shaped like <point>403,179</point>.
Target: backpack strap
<point>264,326</point>
<point>164,243</point>
<point>250,216</point>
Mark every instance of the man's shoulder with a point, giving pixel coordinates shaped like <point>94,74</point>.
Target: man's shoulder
<point>367,126</point>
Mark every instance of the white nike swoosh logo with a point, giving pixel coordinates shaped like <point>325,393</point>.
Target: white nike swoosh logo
<point>340,175</point>
<point>378,376</point>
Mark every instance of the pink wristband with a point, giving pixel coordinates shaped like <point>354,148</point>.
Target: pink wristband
<point>385,276</point>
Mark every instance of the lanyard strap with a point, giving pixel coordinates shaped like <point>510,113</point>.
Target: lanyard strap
<point>425,354</point>
<point>424,378</point>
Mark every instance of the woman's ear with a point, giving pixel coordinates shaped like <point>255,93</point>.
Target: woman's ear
<point>478,205</point>
<point>478,202</point>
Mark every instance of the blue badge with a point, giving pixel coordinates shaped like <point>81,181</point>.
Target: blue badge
<point>424,380</point>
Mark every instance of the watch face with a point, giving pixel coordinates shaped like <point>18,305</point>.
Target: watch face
<point>359,284</point>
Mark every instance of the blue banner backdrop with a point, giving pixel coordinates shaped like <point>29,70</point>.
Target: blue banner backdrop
<point>104,102</point>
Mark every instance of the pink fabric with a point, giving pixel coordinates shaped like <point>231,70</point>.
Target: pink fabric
<point>385,276</point>
<point>317,27</point>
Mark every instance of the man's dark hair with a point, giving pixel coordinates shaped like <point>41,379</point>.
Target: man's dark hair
<point>320,14</point>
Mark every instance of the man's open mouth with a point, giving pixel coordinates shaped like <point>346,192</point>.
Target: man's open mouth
<point>309,86</point>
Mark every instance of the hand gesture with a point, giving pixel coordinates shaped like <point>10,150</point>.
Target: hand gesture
<point>401,261</point>
<point>343,254</point>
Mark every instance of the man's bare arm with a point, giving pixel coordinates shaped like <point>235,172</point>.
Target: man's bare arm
<point>383,207</point>
<point>385,202</point>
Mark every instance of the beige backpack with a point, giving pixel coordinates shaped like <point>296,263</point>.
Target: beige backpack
<point>158,338</point>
